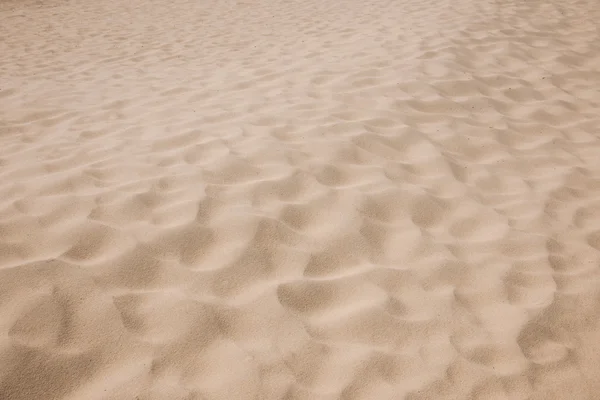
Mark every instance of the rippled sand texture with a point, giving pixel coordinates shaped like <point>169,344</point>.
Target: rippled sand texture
<point>299,199</point>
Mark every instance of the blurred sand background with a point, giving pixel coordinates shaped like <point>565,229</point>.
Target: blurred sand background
<point>301,200</point>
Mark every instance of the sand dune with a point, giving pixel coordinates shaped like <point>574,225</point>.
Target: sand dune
<point>318,200</point>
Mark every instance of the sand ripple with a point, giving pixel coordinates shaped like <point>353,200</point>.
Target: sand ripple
<point>299,200</point>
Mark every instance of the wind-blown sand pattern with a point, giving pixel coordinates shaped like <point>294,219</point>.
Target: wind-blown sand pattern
<point>294,199</point>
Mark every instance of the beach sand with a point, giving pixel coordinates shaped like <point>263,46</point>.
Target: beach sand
<point>301,200</point>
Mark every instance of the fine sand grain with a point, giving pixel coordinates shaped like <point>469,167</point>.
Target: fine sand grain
<point>299,199</point>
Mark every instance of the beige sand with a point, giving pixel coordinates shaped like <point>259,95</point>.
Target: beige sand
<point>299,199</point>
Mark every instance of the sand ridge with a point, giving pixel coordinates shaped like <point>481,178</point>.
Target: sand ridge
<point>299,200</point>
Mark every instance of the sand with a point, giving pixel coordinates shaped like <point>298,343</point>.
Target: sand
<point>301,200</point>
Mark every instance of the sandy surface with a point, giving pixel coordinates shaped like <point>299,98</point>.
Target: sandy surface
<point>295,200</point>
